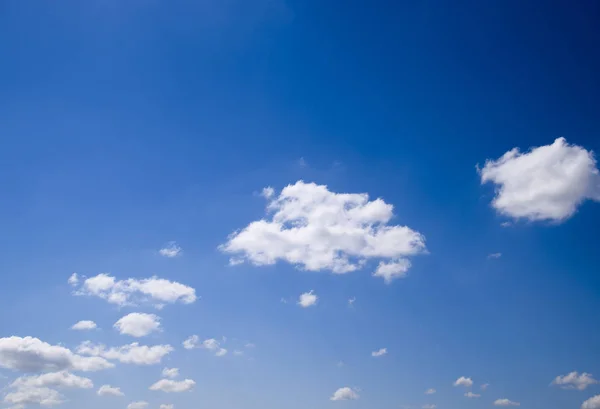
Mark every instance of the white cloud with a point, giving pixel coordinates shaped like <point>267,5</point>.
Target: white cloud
<point>379,353</point>
<point>308,299</point>
<point>505,402</point>
<point>547,183</point>
<point>191,342</point>
<point>33,396</point>
<point>133,353</point>
<point>484,386</point>
<point>316,229</point>
<point>462,381</point>
<point>574,380</point>
<point>73,279</point>
<point>392,270</point>
<point>138,324</point>
<point>472,395</point>
<point>351,301</point>
<point>30,354</point>
<point>107,390</point>
<point>62,379</point>
<point>430,391</point>
<point>592,403</point>
<point>429,406</point>
<point>345,393</point>
<point>210,344</point>
<point>132,291</point>
<point>494,255</point>
<point>84,325</point>
<point>267,192</point>
<point>137,405</point>
<point>167,406</point>
<point>171,250</point>
<point>169,385</point>
<point>170,372</point>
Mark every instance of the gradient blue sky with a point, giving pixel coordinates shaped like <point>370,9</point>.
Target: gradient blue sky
<point>129,124</point>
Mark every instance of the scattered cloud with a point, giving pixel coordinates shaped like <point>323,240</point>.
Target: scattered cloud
<point>505,402</point>
<point>137,405</point>
<point>575,380</point>
<point>308,299</point>
<point>84,326</point>
<point>171,386</point>
<point>30,354</point>
<point>547,183</point>
<point>192,342</point>
<point>33,396</point>
<point>392,270</point>
<point>132,291</point>
<point>494,255</point>
<point>210,344</point>
<point>171,250</point>
<point>73,280</point>
<point>462,381</point>
<point>379,353</point>
<point>62,379</point>
<point>472,395</point>
<point>170,372</point>
<point>345,393</point>
<point>592,403</point>
<point>138,324</point>
<point>107,390</point>
<point>267,192</point>
<point>430,391</point>
<point>315,229</point>
<point>133,353</point>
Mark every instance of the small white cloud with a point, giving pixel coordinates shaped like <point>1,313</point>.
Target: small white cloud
<point>506,224</point>
<point>171,386</point>
<point>133,353</point>
<point>171,250</point>
<point>308,299</point>
<point>505,402</point>
<point>33,396</point>
<point>547,183</point>
<point>73,280</point>
<point>137,405</point>
<point>379,353</point>
<point>167,406</point>
<point>84,325</point>
<point>351,301</point>
<point>62,379</point>
<point>462,381</point>
<point>429,406</point>
<point>472,395</point>
<point>494,255</point>
<point>268,192</point>
<point>592,403</point>
<point>107,390</point>
<point>132,291</point>
<point>430,391</point>
<point>345,393</point>
<point>392,270</point>
<point>211,344</point>
<point>484,386</point>
<point>191,342</point>
<point>237,352</point>
<point>170,372</point>
<point>575,380</point>
<point>138,324</point>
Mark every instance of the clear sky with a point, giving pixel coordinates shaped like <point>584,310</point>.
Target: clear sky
<point>299,204</point>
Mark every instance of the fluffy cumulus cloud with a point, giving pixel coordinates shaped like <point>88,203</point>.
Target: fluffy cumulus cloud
<point>389,271</point>
<point>575,380</point>
<point>315,229</point>
<point>308,299</point>
<point>592,403</point>
<point>169,385</point>
<point>430,391</point>
<point>378,353</point>
<point>210,344</point>
<point>133,353</point>
<point>137,405</point>
<point>192,342</point>
<point>547,183</point>
<point>472,395</point>
<point>345,393</point>
<point>171,250</point>
<point>505,402</point>
<point>33,396</point>
<point>107,390</point>
<point>30,354</point>
<point>138,324</point>
<point>62,379</point>
<point>84,326</point>
<point>133,291</point>
<point>170,372</point>
<point>463,381</point>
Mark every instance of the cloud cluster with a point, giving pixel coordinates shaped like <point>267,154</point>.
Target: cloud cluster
<point>547,183</point>
<point>41,389</point>
<point>210,344</point>
<point>315,229</point>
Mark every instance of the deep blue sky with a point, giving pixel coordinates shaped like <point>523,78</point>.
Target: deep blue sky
<point>127,124</point>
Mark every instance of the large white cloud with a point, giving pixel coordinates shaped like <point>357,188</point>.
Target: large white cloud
<point>107,390</point>
<point>133,291</point>
<point>30,354</point>
<point>345,393</point>
<point>316,229</point>
<point>547,183</point>
<point>62,379</point>
<point>575,380</point>
<point>138,324</point>
<point>33,396</point>
<point>592,403</point>
<point>169,385</point>
<point>133,353</point>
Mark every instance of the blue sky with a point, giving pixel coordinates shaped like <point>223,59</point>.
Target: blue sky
<point>129,125</point>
